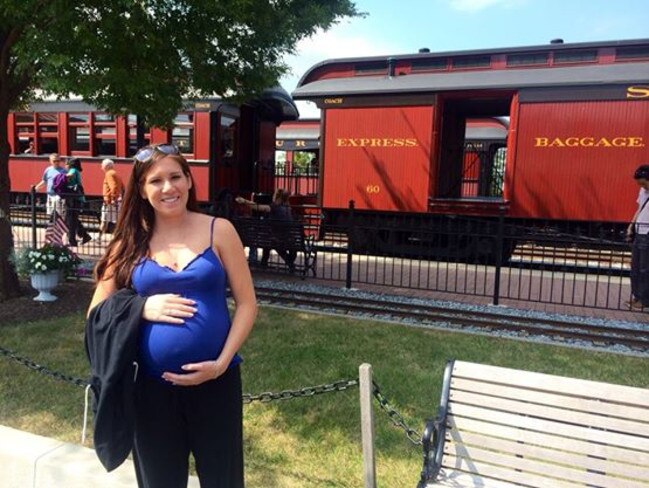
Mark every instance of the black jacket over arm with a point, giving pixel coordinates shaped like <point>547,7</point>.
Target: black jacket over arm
<point>111,345</point>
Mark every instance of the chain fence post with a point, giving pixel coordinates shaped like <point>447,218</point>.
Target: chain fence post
<point>32,196</point>
<point>499,254</point>
<point>366,386</point>
<point>350,250</point>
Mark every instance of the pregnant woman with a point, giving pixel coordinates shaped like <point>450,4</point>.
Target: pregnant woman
<point>188,397</point>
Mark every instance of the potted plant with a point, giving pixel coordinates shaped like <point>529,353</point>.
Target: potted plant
<point>46,266</point>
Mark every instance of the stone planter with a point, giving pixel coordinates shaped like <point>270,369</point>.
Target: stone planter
<point>44,283</point>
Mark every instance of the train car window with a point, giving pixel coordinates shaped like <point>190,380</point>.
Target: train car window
<point>105,143</point>
<point>576,56</point>
<point>463,62</point>
<point>133,145</point>
<point>628,53</point>
<point>528,59</point>
<point>228,140</point>
<point>104,118</point>
<point>104,140</point>
<point>79,118</point>
<point>24,131</point>
<point>182,135</point>
<point>429,64</point>
<point>79,132</point>
<point>24,118</point>
<point>48,118</point>
<point>48,132</point>
<point>25,135</point>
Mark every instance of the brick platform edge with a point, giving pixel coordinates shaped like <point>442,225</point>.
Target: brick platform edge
<point>29,460</point>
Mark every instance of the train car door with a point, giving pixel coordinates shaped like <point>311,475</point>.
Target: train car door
<point>472,142</point>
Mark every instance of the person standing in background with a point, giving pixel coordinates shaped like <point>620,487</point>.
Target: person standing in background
<point>74,202</point>
<point>54,201</point>
<point>638,232</point>
<point>113,190</point>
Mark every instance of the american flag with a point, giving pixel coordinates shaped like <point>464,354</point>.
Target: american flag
<point>56,230</point>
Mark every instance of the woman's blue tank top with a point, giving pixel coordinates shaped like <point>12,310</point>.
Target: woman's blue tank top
<point>167,347</point>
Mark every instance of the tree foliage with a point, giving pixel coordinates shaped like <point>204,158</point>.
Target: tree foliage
<point>144,57</point>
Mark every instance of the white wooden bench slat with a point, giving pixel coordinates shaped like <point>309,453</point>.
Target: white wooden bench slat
<point>518,465</point>
<point>547,439</point>
<point>547,454</point>
<point>559,428</point>
<point>551,413</point>
<point>626,395</point>
<point>506,427</point>
<point>457,479</point>
<point>545,398</point>
<point>489,470</point>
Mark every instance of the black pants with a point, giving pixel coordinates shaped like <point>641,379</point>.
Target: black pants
<point>75,227</point>
<point>640,268</point>
<point>172,421</point>
<point>288,256</point>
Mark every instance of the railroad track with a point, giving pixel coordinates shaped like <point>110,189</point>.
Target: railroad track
<point>427,315</point>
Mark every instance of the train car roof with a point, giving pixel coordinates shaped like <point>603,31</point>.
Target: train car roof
<point>590,75</point>
<point>419,56</point>
<point>296,138</point>
<point>275,104</point>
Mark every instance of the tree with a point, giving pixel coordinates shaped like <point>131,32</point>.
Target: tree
<point>143,57</point>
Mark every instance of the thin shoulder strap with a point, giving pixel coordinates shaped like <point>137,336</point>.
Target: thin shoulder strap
<point>212,232</point>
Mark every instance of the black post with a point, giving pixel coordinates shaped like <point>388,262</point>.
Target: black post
<point>499,253</point>
<point>350,240</point>
<point>32,194</point>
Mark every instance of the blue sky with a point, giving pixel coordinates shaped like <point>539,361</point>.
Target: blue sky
<point>403,26</point>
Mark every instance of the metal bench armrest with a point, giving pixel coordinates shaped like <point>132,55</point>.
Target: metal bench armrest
<point>434,435</point>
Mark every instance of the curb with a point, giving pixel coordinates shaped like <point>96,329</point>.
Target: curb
<point>30,460</point>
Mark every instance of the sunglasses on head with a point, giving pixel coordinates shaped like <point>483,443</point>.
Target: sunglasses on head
<point>144,154</point>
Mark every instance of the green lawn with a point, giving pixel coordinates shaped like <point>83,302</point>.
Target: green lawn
<point>311,442</point>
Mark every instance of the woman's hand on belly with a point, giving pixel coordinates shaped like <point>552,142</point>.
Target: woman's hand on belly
<point>197,373</point>
<point>169,308</point>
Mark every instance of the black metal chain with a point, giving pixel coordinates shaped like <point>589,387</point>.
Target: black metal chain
<point>308,391</point>
<point>42,369</point>
<point>395,417</point>
<point>264,397</point>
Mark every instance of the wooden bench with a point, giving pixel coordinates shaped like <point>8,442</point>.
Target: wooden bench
<point>499,427</point>
<point>280,235</point>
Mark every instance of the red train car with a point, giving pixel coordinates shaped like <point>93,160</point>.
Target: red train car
<point>228,146</point>
<point>395,130</point>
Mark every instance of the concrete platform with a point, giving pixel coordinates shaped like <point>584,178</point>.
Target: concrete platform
<point>32,461</point>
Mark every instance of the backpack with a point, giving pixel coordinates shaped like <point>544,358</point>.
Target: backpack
<point>60,184</point>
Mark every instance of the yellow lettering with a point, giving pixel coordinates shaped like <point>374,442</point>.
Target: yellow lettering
<point>637,92</point>
<point>333,101</point>
<point>411,142</point>
<point>365,142</point>
<point>572,141</point>
<point>340,142</point>
<point>388,142</point>
<point>279,143</point>
<point>589,141</point>
<point>603,142</point>
<point>376,142</point>
<point>635,142</point>
<point>399,142</point>
<point>556,142</point>
<point>300,144</point>
<point>541,142</point>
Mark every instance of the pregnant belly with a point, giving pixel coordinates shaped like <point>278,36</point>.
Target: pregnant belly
<point>167,347</point>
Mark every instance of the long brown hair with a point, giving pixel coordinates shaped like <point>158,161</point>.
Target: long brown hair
<point>136,223</point>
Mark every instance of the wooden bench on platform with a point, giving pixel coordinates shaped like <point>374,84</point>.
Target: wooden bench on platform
<point>499,427</point>
<point>282,236</point>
